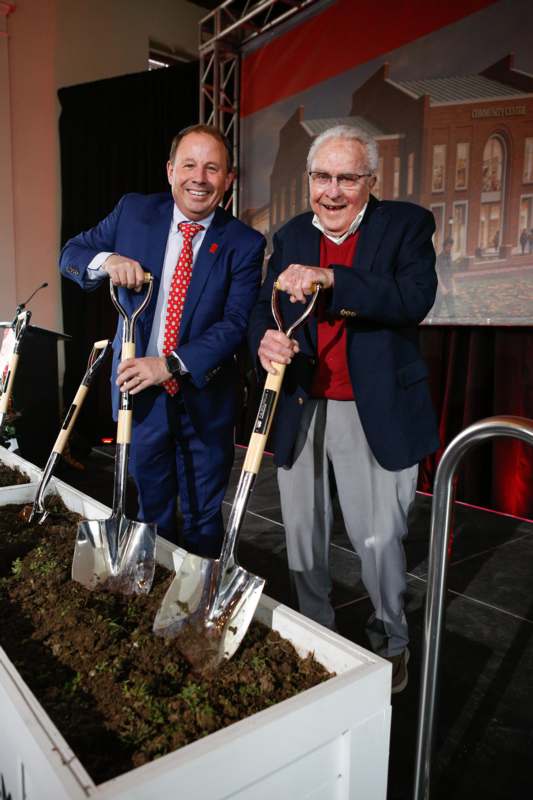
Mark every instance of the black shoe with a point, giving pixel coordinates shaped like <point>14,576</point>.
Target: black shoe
<point>399,671</point>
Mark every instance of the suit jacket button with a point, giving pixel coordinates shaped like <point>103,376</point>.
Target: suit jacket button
<point>300,401</point>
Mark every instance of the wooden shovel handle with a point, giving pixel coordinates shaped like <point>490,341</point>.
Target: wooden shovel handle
<point>70,419</point>
<point>11,370</point>
<point>263,421</point>
<point>128,350</point>
<point>125,419</point>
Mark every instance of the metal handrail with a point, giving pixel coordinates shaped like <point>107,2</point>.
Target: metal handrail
<point>441,513</point>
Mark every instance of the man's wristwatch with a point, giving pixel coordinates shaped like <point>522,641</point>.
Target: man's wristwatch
<point>173,365</point>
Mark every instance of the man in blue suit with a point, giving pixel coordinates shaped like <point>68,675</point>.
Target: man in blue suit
<point>182,438</point>
<point>355,401</point>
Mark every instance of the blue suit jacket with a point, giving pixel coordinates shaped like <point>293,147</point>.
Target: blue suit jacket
<point>384,295</point>
<point>223,289</point>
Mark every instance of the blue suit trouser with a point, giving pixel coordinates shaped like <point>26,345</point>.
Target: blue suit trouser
<point>168,460</point>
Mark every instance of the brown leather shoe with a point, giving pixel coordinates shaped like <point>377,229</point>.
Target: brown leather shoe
<point>399,671</point>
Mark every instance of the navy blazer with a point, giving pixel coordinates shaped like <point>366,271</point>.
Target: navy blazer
<point>223,289</point>
<point>383,296</point>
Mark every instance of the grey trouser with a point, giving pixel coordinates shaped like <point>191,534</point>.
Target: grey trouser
<point>374,502</point>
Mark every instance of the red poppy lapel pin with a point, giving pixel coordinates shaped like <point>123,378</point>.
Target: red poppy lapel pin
<point>213,248</point>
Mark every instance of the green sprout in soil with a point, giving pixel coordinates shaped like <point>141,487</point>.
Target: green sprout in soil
<point>73,684</point>
<point>16,567</point>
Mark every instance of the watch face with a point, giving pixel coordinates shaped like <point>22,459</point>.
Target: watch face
<point>173,364</point>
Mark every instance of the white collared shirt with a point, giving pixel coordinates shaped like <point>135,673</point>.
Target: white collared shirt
<point>352,229</point>
<point>174,244</point>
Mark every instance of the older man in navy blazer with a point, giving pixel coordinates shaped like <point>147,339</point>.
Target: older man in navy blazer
<point>355,399</point>
<point>182,442</point>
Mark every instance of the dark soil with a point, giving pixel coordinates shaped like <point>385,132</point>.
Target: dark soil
<point>10,476</point>
<point>120,695</point>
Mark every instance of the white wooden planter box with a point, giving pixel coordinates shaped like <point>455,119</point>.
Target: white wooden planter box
<point>12,460</point>
<point>328,743</point>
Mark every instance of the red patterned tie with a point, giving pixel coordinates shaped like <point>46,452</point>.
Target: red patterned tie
<point>178,293</point>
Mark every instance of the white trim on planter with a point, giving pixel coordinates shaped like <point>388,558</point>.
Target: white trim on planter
<point>330,742</point>
<point>11,459</point>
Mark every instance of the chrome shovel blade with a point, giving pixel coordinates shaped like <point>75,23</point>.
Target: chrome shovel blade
<point>208,618</point>
<point>115,555</point>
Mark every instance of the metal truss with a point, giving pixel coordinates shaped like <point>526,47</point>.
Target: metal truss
<point>223,33</point>
<point>5,10</point>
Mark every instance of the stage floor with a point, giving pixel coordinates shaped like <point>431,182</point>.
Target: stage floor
<point>485,728</point>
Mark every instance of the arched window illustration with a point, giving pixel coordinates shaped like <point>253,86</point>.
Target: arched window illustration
<point>492,195</point>
<point>493,157</point>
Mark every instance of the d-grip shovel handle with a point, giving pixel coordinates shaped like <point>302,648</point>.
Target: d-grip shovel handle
<point>269,398</point>
<point>129,321</point>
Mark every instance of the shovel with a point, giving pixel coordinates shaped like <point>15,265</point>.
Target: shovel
<point>117,554</point>
<point>210,603</point>
<point>98,353</point>
<point>19,325</point>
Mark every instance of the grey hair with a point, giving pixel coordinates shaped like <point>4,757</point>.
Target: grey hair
<point>351,133</point>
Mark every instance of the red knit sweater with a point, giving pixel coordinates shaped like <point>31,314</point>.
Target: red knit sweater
<point>332,378</point>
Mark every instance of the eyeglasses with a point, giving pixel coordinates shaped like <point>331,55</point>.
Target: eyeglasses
<point>348,181</point>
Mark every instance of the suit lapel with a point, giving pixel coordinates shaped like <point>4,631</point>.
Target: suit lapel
<point>157,226</point>
<point>373,228</point>
<point>309,246</point>
<point>208,254</point>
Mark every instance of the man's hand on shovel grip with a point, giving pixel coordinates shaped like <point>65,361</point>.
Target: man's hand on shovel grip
<point>124,271</point>
<point>277,347</point>
<point>299,281</point>
<point>136,374</point>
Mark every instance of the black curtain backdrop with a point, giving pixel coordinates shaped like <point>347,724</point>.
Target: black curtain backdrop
<point>115,138</point>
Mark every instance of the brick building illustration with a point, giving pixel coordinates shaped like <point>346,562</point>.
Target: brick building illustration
<point>461,146</point>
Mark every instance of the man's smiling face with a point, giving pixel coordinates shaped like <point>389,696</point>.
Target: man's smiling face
<point>336,208</point>
<point>199,175</point>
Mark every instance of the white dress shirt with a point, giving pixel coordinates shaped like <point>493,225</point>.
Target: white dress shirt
<point>352,229</point>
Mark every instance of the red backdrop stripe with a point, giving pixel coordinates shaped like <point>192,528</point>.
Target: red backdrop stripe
<point>338,39</point>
